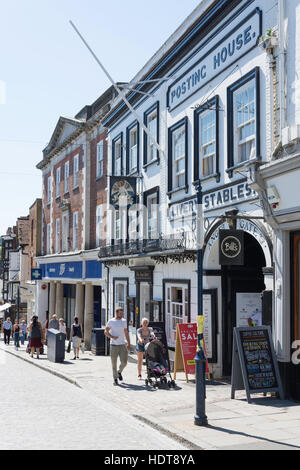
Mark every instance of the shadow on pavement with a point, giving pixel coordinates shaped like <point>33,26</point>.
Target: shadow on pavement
<point>259,438</point>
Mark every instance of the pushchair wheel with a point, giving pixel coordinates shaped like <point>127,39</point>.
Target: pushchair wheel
<point>173,384</point>
<point>146,383</point>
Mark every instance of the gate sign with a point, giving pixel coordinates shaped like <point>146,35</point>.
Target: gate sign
<point>231,247</point>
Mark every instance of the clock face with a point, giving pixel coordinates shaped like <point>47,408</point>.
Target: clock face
<point>231,247</point>
<point>122,194</point>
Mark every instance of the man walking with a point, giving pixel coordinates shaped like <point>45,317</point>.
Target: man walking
<point>116,330</point>
<point>7,328</point>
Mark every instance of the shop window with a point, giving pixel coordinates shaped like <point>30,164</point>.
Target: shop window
<point>296,284</point>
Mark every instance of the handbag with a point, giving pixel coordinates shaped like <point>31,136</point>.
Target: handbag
<point>69,347</point>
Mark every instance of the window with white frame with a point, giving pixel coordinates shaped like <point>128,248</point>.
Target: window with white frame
<point>152,126</point>
<point>57,235</point>
<point>244,121</point>
<point>58,179</point>
<point>207,141</point>
<point>133,149</point>
<point>48,241</point>
<point>120,218</point>
<point>76,171</point>
<point>120,295</point>
<point>152,219</point>
<point>179,156</point>
<point>177,308</point>
<point>49,192</point>
<point>99,225</point>
<point>65,232</point>
<point>117,157</point>
<point>75,231</point>
<point>100,156</point>
<point>67,175</point>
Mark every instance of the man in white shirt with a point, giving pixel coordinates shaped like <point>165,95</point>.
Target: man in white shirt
<point>7,328</point>
<point>116,330</point>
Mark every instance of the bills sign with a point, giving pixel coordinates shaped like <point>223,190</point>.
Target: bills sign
<point>122,191</point>
<point>231,247</point>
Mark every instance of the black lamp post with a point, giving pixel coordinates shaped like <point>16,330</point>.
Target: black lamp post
<point>200,418</point>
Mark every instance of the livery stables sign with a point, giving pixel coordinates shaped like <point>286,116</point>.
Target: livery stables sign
<point>224,53</point>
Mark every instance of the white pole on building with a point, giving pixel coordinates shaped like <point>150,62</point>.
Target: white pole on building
<point>118,90</point>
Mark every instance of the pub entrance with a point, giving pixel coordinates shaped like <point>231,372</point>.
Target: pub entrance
<point>237,282</point>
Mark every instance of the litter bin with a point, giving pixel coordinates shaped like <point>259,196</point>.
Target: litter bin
<point>100,342</point>
<point>56,345</point>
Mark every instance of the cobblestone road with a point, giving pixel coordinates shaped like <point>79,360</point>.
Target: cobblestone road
<point>41,411</point>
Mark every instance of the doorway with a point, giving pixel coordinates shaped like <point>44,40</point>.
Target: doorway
<point>245,279</point>
<point>145,299</point>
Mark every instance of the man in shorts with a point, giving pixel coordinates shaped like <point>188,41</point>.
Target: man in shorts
<point>116,330</point>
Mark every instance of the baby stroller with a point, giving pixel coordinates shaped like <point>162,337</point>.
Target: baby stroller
<point>157,364</point>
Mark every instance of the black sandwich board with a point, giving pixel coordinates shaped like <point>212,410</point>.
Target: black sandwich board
<point>160,333</point>
<point>254,364</point>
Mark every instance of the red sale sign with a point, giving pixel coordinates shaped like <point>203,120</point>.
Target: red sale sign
<point>188,340</point>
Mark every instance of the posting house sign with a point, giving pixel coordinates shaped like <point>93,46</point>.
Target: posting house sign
<point>231,247</point>
<point>224,53</point>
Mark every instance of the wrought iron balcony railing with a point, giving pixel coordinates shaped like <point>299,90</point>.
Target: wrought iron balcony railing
<point>134,247</point>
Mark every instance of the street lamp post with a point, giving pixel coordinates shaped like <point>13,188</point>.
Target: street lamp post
<point>200,418</point>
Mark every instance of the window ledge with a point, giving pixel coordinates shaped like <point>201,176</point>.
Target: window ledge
<point>98,178</point>
<point>146,165</point>
<point>216,176</point>
<point>231,169</point>
<point>185,187</point>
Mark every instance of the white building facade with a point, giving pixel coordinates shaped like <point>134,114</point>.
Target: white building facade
<point>207,99</point>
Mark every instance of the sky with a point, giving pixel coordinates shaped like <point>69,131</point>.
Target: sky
<point>46,72</point>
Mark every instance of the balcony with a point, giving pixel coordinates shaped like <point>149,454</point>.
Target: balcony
<point>160,246</point>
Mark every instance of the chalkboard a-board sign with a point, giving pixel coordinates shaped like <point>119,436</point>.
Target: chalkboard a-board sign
<point>254,364</point>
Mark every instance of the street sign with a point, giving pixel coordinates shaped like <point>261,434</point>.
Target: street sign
<point>36,274</point>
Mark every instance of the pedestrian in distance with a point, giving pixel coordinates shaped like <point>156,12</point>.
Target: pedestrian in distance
<point>16,330</point>
<point>62,326</point>
<point>7,329</point>
<point>116,330</point>
<point>76,337</point>
<point>23,331</point>
<point>144,335</point>
<point>54,323</point>
<point>36,336</point>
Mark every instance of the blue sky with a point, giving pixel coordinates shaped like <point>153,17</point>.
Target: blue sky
<point>46,72</point>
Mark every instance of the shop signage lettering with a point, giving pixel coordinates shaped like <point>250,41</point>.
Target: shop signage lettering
<point>227,196</point>
<point>213,200</point>
<point>227,51</point>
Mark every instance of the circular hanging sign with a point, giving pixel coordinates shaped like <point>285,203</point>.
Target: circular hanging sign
<point>231,247</point>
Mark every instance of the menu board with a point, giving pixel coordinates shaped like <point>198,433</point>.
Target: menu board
<point>254,365</point>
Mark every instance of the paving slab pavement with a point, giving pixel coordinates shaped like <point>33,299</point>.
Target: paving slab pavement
<point>266,423</point>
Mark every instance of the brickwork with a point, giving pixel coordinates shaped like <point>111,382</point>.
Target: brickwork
<point>98,192</point>
<point>35,242</point>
